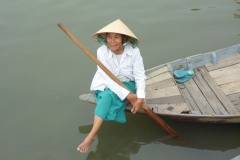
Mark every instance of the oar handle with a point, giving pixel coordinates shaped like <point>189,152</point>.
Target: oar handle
<point>146,109</point>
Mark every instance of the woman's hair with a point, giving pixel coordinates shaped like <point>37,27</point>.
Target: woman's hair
<point>124,38</point>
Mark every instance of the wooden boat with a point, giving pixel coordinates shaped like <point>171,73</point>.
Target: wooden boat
<point>211,96</point>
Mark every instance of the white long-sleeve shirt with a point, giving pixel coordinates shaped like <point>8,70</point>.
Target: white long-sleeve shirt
<point>131,66</point>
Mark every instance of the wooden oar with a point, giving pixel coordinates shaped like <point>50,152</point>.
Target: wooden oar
<point>146,109</point>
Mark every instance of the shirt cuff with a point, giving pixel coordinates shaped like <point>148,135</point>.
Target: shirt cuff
<point>122,94</point>
<point>141,93</point>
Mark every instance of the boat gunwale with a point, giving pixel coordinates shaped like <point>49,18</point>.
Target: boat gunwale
<point>189,62</point>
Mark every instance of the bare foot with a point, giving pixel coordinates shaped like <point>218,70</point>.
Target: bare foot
<point>85,145</point>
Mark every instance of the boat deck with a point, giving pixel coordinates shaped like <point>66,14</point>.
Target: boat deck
<point>214,90</point>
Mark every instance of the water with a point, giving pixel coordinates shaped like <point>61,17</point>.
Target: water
<point>43,73</point>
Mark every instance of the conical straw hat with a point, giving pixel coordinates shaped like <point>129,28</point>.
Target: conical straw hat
<point>115,27</point>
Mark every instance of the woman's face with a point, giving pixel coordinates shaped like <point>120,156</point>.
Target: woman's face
<point>114,41</point>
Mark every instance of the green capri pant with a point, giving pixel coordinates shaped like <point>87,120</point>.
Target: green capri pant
<point>109,107</point>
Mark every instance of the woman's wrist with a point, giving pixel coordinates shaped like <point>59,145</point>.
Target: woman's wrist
<point>140,99</point>
<point>129,96</point>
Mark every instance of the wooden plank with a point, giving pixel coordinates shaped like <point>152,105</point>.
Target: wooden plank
<point>234,69</point>
<point>231,88</point>
<point>160,85</point>
<point>225,52</point>
<point>157,72</point>
<point>150,70</point>
<point>202,59</point>
<point>176,108</point>
<point>231,57</point>
<point>166,100</point>
<point>237,108</point>
<point>189,100</point>
<point>198,60</point>
<point>212,99</point>
<point>218,92</point>
<point>234,98</point>
<point>228,79</point>
<point>237,157</point>
<point>198,97</point>
<point>165,92</point>
<point>161,77</point>
<point>192,61</point>
<point>88,98</point>
<point>228,61</point>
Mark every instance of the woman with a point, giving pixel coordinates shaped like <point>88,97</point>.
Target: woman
<point>120,54</point>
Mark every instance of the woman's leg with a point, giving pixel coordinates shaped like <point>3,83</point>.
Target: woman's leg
<point>85,145</point>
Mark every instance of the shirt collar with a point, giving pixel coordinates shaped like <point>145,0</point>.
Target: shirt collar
<point>126,51</point>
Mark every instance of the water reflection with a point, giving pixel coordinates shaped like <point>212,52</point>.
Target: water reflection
<point>207,136</point>
<point>117,141</point>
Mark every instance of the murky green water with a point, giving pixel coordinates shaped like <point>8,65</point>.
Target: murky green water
<point>43,73</point>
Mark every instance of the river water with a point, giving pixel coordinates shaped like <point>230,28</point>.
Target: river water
<point>43,73</point>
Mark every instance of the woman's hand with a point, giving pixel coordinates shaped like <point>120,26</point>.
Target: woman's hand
<point>137,106</point>
<point>136,102</point>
